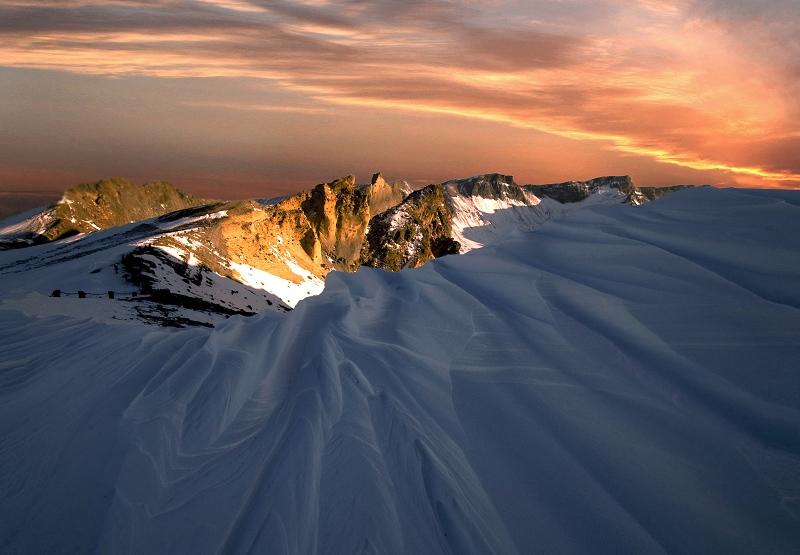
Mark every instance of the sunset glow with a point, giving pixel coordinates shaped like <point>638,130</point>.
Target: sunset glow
<point>212,94</point>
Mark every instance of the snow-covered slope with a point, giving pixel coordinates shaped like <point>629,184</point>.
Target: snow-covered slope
<point>621,380</point>
<point>481,218</point>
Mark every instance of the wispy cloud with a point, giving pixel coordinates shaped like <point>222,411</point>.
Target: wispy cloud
<point>707,85</point>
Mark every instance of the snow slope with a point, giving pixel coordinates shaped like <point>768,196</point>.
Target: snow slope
<point>621,380</point>
<point>479,221</point>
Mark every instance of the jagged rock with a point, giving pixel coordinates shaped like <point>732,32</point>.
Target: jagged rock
<point>383,195</point>
<point>286,245</point>
<point>280,250</point>
<point>412,233</point>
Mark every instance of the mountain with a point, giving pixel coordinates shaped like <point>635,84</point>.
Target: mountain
<point>192,266</point>
<point>285,247</point>
<point>90,207</point>
<point>202,264</point>
<point>460,215</point>
<point>619,380</point>
<point>576,191</point>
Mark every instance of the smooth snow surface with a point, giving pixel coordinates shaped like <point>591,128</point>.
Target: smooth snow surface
<point>621,380</point>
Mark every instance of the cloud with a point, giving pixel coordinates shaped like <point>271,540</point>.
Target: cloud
<point>704,85</point>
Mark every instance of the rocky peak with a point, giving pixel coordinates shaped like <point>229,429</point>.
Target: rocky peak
<point>377,180</point>
<point>343,183</point>
<point>383,194</point>
<point>338,213</point>
<point>412,233</point>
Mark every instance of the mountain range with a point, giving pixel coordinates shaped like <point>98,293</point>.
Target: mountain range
<point>179,260</point>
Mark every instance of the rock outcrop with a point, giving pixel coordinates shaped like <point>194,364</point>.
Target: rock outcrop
<point>383,194</point>
<point>412,233</point>
<point>246,256</point>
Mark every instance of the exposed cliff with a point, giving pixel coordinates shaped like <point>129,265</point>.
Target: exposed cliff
<point>412,233</point>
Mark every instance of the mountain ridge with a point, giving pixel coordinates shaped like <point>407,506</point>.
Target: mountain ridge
<point>253,255</point>
<point>89,207</point>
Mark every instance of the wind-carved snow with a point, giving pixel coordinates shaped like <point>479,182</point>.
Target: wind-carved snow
<point>620,380</point>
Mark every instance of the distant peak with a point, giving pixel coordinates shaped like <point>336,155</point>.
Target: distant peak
<point>492,177</point>
<point>489,185</point>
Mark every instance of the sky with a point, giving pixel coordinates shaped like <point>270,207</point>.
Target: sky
<point>251,98</point>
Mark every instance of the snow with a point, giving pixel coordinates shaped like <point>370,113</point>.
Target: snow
<point>200,283</point>
<point>30,221</point>
<point>288,291</point>
<point>178,254</point>
<point>479,221</point>
<point>92,263</point>
<point>621,380</point>
<point>397,218</point>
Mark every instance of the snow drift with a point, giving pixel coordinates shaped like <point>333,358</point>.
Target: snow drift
<point>620,380</point>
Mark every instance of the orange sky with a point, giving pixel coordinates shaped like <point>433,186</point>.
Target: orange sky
<point>250,98</point>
